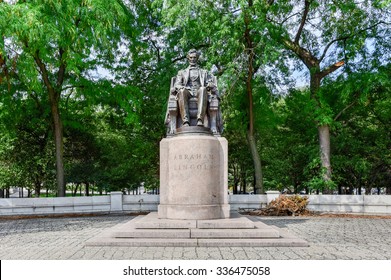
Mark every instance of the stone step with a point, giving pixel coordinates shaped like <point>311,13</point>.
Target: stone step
<point>232,223</point>
<point>234,233</point>
<point>266,242</point>
<point>195,233</point>
<point>142,242</point>
<point>167,224</point>
<point>151,221</point>
<point>154,233</point>
<point>149,242</point>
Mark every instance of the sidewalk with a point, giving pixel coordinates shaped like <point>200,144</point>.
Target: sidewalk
<point>64,238</point>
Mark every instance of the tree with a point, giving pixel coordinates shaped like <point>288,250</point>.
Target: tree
<point>324,36</point>
<point>362,133</point>
<point>55,45</point>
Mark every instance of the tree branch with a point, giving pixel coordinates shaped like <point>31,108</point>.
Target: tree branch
<point>348,37</point>
<point>67,98</point>
<point>305,55</point>
<point>43,70</point>
<point>355,97</point>
<point>157,50</point>
<point>344,109</point>
<point>234,11</point>
<point>3,65</point>
<point>61,70</point>
<point>303,19</point>
<point>329,45</point>
<point>36,99</point>
<point>184,56</point>
<point>290,16</point>
<point>72,87</point>
<point>331,69</point>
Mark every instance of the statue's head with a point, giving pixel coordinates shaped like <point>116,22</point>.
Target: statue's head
<point>192,57</point>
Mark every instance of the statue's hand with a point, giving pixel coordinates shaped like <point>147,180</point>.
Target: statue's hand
<point>211,87</point>
<point>178,88</point>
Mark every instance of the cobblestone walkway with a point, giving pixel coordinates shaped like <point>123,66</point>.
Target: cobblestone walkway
<point>64,238</point>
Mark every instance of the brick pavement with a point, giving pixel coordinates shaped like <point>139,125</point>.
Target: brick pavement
<point>64,238</point>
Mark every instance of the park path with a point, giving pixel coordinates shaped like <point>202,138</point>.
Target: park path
<point>63,238</point>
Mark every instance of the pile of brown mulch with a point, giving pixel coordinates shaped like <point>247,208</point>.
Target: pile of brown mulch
<point>284,206</point>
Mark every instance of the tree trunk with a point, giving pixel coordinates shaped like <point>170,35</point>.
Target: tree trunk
<point>339,189</point>
<point>1,193</point>
<point>235,187</point>
<point>37,189</point>
<point>75,191</point>
<point>359,185</point>
<point>323,129</point>
<point>58,140</point>
<point>236,179</point>
<point>243,183</point>
<point>54,91</point>
<point>258,184</point>
<point>87,189</point>
<point>324,146</point>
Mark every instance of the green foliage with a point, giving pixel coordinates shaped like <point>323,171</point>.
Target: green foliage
<point>315,177</point>
<point>26,155</point>
<point>362,141</point>
<point>119,57</point>
<point>70,39</point>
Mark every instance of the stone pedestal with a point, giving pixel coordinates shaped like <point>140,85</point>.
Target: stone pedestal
<point>193,177</point>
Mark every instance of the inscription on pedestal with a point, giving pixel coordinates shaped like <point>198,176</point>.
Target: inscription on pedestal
<point>193,162</point>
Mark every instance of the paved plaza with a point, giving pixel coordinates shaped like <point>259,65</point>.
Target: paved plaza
<point>62,238</point>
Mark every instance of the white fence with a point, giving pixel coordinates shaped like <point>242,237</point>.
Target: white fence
<point>116,202</point>
<point>366,204</point>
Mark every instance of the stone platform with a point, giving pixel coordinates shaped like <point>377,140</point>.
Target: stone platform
<point>237,231</point>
